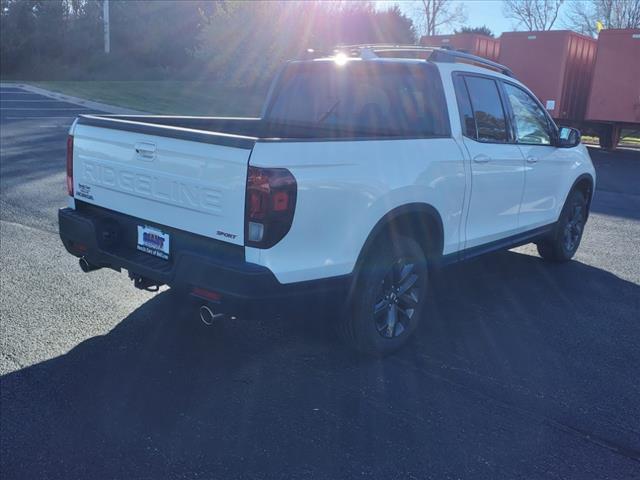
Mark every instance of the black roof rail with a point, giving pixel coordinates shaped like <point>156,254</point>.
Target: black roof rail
<point>378,46</point>
<point>442,55</point>
<point>436,54</point>
<point>381,47</point>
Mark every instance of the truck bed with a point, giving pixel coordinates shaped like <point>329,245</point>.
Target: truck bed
<point>227,131</point>
<point>240,132</point>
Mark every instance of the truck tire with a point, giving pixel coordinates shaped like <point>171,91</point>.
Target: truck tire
<point>564,241</point>
<point>388,298</point>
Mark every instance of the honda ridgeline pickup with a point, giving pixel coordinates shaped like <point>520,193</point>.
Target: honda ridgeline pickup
<point>366,170</point>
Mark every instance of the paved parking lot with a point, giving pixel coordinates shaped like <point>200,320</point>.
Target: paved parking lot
<point>521,369</point>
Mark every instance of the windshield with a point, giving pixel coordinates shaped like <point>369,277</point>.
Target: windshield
<point>363,98</point>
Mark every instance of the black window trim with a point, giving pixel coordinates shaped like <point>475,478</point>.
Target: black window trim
<point>501,94</point>
<point>458,80</point>
<point>551,125</point>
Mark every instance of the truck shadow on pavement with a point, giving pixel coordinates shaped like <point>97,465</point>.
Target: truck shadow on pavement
<point>617,188</point>
<point>514,359</point>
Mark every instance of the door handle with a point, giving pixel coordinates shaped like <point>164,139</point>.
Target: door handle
<point>531,159</point>
<point>481,158</point>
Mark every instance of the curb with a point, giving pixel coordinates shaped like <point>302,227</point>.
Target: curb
<point>76,100</point>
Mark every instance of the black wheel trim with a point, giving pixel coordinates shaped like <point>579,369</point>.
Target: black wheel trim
<point>397,299</point>
<point>573,228</point>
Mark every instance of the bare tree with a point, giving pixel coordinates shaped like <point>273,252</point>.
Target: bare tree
<point>583,16</point>
<point>435,14</point>
<point>533,14</point>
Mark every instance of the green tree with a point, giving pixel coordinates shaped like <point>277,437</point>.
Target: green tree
<point>240,42</point>
<point>17,32</point>
<point>483,30</point>
<point>395,27</point>
<point>157,32</point>
<point>247,42</point>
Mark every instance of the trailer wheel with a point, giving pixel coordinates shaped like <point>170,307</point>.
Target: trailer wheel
<point>609,137</point>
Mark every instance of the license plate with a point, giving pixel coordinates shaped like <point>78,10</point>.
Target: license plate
<point>153,241</point>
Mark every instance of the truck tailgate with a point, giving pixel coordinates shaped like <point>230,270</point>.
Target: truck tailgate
<point>196,186</point>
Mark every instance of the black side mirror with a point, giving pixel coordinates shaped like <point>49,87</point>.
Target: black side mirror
<point>568,137</point>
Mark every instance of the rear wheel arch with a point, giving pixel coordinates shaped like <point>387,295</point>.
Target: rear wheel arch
<point>419,221</point>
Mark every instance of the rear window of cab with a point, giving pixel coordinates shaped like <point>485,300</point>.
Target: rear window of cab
<point>362,98</point>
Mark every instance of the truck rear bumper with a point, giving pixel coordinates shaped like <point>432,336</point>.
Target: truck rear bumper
<point>197,265</point>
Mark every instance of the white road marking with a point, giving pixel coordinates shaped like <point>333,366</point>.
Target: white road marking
<point>46,100</point>
<point>30,118</point>
<point>42,109</point>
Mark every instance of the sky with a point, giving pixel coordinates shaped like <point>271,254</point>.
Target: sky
<point>479,12</point>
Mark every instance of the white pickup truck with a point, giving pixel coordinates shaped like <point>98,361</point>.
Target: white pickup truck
<point>367,170</point>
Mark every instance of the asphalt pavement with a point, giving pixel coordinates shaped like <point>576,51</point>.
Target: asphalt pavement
<point>521,369</point>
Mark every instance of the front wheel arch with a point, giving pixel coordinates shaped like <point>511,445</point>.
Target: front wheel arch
<point>585,184</point>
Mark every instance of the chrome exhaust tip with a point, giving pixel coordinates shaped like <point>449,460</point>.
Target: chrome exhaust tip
<point>206,315</point>
<point>87,267</point>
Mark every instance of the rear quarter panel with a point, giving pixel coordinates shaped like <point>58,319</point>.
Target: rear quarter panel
<point>346,187</point>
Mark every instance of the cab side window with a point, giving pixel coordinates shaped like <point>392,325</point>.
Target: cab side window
<point>530,120</point>
<point>487,110</point>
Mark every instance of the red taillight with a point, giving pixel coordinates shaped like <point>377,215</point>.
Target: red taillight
<point>70,165</point>
<point>270,204</point>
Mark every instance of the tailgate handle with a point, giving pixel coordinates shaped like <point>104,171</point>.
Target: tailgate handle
<point>145,151</point>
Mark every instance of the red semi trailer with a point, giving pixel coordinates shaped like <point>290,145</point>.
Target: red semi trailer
<point>588,84</point>
<point>481,45</point>
<point>614,100</point>
<point>557,65</point>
